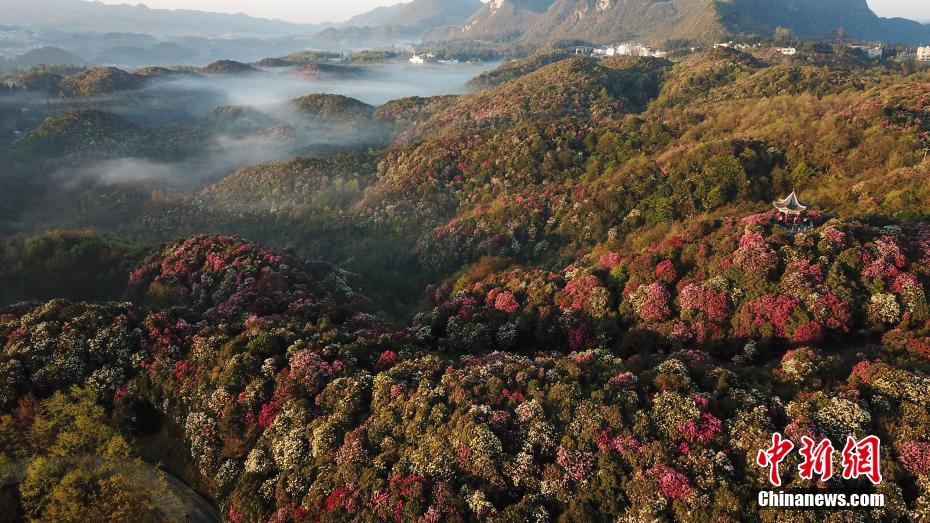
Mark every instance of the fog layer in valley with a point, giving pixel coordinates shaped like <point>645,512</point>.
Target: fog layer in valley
<point>373,84</point>
<point>190,99</point>
<point>184,109</point>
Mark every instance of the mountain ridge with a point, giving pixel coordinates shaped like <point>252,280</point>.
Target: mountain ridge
<point>373,18</point>
<point>76,15</point>
<point>413,17</point>
<point>429,14</point>
<point>540,22</point>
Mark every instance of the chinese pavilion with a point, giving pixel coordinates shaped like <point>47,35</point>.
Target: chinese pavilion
<point>789,207</point>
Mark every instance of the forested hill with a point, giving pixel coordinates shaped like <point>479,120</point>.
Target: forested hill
<point>699,21</point>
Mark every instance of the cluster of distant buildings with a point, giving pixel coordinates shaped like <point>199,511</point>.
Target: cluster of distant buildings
<point>921,55</point>
<point>630,49</point>
<point>873,52</point>
<point>787,51</point>
<point>419,59</point>
<point>738,47</point>
<point>625,49</point>
<point>638,49</point>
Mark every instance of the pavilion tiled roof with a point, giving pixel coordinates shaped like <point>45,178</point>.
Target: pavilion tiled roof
<point>790,205</point>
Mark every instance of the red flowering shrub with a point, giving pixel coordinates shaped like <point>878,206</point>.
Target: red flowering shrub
<point>665,271</point>
<point>754,256</point>
<point>766,316</point>
<point>808,332</point>
<point>311,371</point>
<point>623,380</point>
<point>672,484</point>
<point>181,369</point>
<point>864,372</point>
<point>919,347</point>
<point>400,500</point>
<point>607,441</point>
<point>577,292</point>
<point>506,302</point>
<point>578,339</point>
<point>386,360</point>
<point>577,465</point>
<point>268,413</point>
<point>701,430</point>
<point>885,259</point>
<point>344,498</point>
<point>652,302</point>
<point>833,312</point>
<point>834,238</point>
<point>610,260</point>
<point>713,304</point>
<point>914,456</point>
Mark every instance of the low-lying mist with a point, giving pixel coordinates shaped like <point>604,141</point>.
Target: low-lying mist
<point>224,155</point>
<point>190,99</point>
<point>372,84</point>
<point>75,189</point>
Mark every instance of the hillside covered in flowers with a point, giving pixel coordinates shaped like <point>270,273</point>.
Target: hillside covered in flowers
<point>523,394</point>
<point>564,297</point>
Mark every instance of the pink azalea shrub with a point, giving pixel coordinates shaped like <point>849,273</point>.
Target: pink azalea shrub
<point>754,256</point>
<point>885,260</point>
<point>651,302</point>
<point>577,465</point>
<point>808,332</point>
<point>672,484</point>
<point>914,456</point>
<point>713,304</point>
<point>665,271</point>
<point>833,312</point>
<point>386,360</point>
<point>343,499</point>
<point>506,302</point>
<point>577,292</point>
<point>767,316</point>
<point>610,260</point>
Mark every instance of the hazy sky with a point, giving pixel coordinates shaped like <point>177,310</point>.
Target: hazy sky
<point>330,10</point>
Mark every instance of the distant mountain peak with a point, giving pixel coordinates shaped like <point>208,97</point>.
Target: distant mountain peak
<point>702,21</point>
<point>79,15</point>
<point>422,15</point>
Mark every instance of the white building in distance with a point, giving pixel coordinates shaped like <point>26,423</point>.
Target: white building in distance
<point>627,49</point>
<point>923,54</point>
